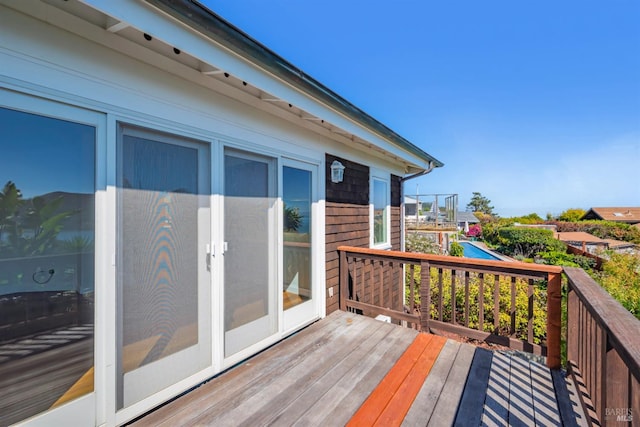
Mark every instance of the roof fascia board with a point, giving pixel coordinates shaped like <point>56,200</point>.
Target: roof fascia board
<point>212,51</point>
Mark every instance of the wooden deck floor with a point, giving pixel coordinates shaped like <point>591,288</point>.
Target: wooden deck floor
<point>347,365</point>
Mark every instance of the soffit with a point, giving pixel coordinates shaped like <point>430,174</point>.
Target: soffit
<point>231,84</point>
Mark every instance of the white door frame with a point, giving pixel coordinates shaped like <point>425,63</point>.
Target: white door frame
<point>299,315</point>
<point>86,410</point>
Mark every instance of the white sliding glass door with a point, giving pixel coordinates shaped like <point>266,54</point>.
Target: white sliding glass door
<point>250,269</point>
<point>164,303</point>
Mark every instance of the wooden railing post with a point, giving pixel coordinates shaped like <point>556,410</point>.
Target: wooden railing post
<point>344,280</point>
<point>572,324</point>
<point>554,320</point>
<point>425,295</point>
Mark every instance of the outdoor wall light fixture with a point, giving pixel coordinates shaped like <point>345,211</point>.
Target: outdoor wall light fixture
<point>337,171</point>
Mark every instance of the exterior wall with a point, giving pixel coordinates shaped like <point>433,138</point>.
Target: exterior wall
<point>348,223</point>
<point>346,220</point>
<point>396,213</point>
<point>396,240</point>
<point>63,64</point>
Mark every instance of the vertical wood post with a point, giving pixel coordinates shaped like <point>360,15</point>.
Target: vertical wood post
<point>573,338</point>
<point>554,320</point>
<point>344,280</point>
<point>425,296</point>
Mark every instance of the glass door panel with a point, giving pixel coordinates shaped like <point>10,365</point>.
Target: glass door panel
<point>47,298</point>
<point>164,282</point>
<point>250,306</point>
<point>299,300</point>
<point>296,184</point>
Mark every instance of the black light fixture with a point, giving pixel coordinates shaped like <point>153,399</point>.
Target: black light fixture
<point>226,75</point>
<point>176,51</point>
<point>244,83</point>
<point>148,37</point>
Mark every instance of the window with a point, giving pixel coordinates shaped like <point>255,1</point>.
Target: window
<point>47,188</point>
<point>380,204</point>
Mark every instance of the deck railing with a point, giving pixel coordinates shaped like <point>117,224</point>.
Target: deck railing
<point>479,299</point>
<point>603,350</point>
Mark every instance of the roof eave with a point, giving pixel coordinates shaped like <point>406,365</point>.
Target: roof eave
<point>200,18</point>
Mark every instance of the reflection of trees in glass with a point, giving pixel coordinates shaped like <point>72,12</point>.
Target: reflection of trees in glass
<point>379,225</point>
<point>292,219</point>
<point>29,227</point>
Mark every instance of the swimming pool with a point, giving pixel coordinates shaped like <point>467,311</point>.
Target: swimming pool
<point>473,251</point>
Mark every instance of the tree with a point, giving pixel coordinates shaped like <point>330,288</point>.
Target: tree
<point>29,227</point>
<point>292,219</point>
<point>572,215</point>
<point>479,203</point>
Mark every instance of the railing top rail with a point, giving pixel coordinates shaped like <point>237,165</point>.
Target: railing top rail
<point>505,267</point>
<point>621,326</point>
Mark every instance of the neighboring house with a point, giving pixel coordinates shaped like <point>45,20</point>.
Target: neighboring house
<point>621,246</point>
<point>412,206</point>
<point>592,244</point>
<point>466,219</point>
<point>196,174</point>
<point>628,215</point>
<point>582,240</point>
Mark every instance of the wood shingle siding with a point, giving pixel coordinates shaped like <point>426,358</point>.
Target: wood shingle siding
<point>354,189</point>
<point>347,222</point>
<point>341,217</point>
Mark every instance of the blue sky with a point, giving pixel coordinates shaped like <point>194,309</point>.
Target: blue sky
<point>536,105</point>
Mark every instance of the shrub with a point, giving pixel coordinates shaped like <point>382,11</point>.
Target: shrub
<point>456,249</point>
<point>565,259</point>
<point>526,242</point>
<point>620,276</point>
<point>421,244</point>
<point>475,231</point>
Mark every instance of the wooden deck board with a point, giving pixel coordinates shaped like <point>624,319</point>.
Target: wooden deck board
<point>287,377</point>
<point>341,402</point>
<point>520,394</point>
<point>390,401</point>
<point>471,405</point>
<point>425,401</point>
<point>291,386</point>
<point>189,406</point>
<point>545,405</point>
<point>444,412</point>
<point>402,401</point>
<point>371,409</point>
<point>496,405</point>
<point>326,394</point>
<point>324,374</point>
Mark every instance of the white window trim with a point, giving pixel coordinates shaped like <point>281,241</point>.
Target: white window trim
<point>378,175</point>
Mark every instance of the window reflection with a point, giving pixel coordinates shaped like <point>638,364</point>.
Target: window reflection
<point>297,236</point>
<point>380,208</point>
<point>46,263</point>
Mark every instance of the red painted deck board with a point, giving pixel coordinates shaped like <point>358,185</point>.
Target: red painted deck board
<point>390,401</point>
